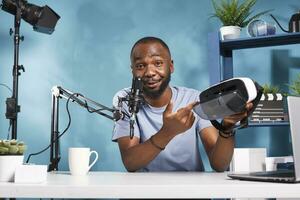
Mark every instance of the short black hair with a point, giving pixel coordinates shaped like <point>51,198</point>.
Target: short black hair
<point>150,39</point>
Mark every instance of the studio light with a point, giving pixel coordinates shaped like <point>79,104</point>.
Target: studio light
<point>43,19</point>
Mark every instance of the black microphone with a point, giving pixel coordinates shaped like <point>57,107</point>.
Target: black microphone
<point>136,98</point>
<point>135,101</point>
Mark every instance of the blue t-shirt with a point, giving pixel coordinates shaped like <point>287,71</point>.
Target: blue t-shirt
<point>182,152</point>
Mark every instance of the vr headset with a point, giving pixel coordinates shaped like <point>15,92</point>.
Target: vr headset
<point>227,98</point>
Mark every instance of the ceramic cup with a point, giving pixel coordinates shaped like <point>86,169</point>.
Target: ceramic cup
<point>79,160</point>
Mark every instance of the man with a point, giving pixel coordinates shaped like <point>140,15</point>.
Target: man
<point>166,134</point>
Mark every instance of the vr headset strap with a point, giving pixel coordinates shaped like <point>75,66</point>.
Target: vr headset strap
<point>243,122</point>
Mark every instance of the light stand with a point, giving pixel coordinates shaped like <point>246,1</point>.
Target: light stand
<point>12,107</point>
<point>43,19</point>
<point>59,92</point>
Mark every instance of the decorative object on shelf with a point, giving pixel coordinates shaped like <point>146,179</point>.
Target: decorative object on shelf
<point>270,108</point>
<point>260,27</point>
<point>11,156</point>
<point>295,86</point>
<point>294,23</point>
<point>234,16</point>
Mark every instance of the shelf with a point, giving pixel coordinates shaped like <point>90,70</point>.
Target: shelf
<point>263,41</point>
<point>268,124</point>
<point>220,58</point>
<point>220,53</point>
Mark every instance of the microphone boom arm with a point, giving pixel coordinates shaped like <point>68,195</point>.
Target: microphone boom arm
<point>83,101</point>
<point>90,105</point>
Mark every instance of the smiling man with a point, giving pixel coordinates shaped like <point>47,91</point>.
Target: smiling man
<point>167,132</point>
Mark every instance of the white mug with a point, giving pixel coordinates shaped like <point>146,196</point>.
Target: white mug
<point>79,159</point>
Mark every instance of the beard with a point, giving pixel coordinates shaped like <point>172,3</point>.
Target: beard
<point>155,94</point>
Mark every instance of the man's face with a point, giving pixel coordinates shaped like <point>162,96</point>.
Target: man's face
<point>152,62</point>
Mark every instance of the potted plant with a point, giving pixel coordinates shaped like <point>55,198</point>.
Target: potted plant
<point>295,86</point>
<point>270,107</point>
<point>11,155</point>
<point>270,89</point>
<point>234,16</point>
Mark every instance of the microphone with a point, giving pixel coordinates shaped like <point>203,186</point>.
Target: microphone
<point>135,101</point>
<point>136,98</point>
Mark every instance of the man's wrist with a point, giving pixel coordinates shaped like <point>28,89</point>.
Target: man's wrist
<point>162,138</point>
<point>155,144</point>
<point>227,127</point>
<point>229,134</point>
<point>166,135</point>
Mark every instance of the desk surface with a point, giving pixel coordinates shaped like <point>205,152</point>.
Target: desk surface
<point>147,185</point>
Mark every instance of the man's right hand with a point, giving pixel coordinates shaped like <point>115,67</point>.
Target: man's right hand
<point>136,155</point>
<point>177,122</point>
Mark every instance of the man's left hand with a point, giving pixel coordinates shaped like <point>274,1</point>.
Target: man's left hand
<point>230,121</point>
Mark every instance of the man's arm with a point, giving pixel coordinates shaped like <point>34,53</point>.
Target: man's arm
<point>136,155</point>
<point>220,149</point>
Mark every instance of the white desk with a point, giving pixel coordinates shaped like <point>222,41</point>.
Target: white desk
<point>147,185</point>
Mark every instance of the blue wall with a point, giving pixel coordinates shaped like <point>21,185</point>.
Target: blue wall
<point>89,53</point>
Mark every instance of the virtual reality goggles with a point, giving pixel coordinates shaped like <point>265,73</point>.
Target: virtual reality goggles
<point>227,98</point>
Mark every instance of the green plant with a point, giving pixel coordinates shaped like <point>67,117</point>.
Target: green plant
<point>295,86</point>
<point>12,147</point>
<point>267,88</point>
<point>233,13</point>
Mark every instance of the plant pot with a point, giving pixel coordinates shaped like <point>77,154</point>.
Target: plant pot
<point>8,165</point>
<point>230,32</point>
